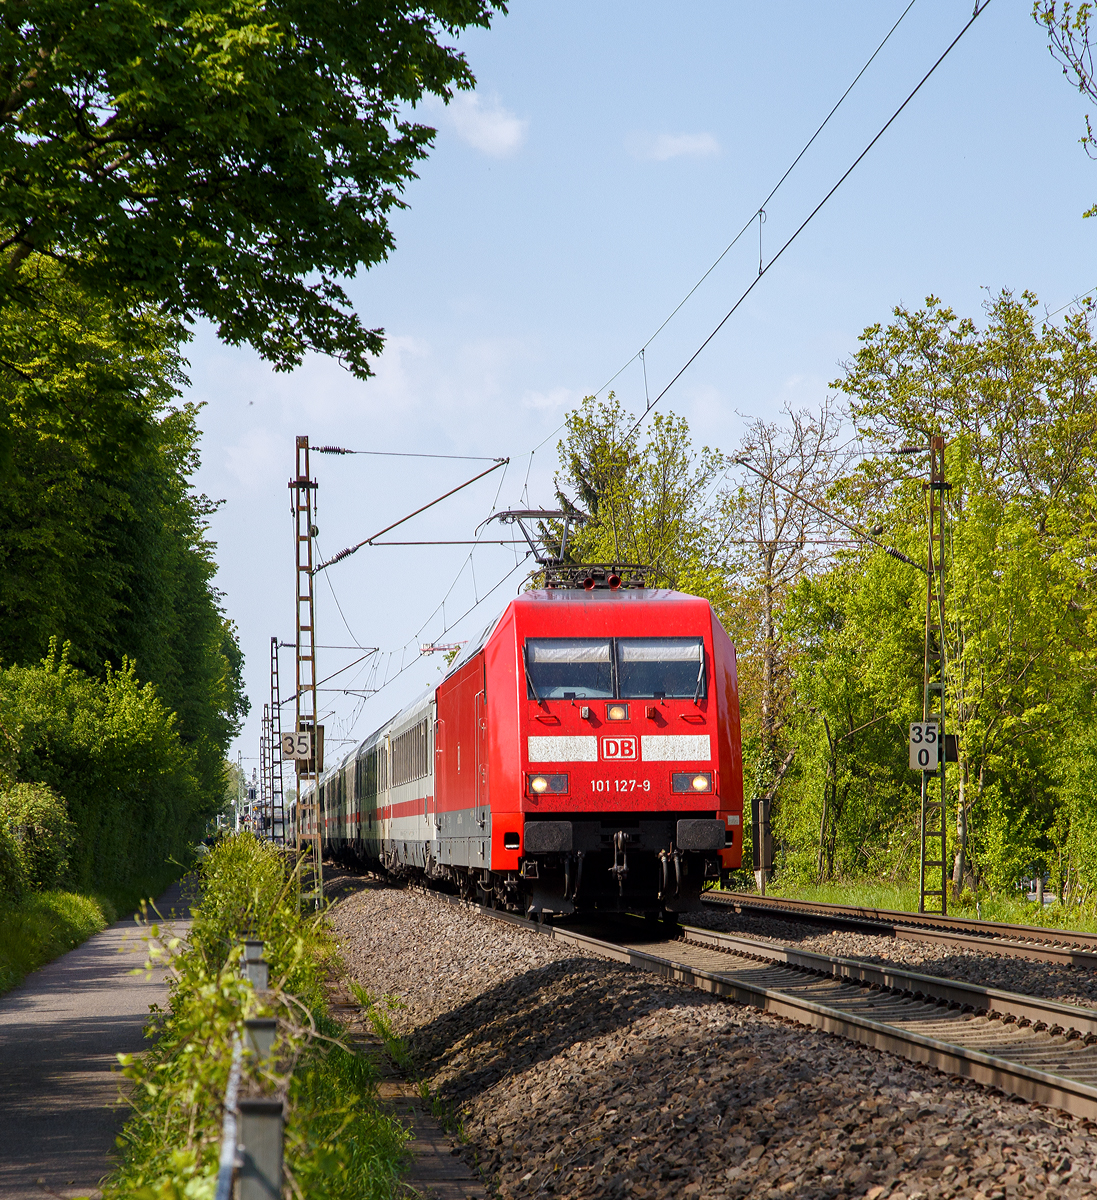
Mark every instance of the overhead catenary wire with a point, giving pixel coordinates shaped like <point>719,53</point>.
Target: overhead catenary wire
<point>759,213</point>
<point>756,215</point>
<point>862,534</point>
<point>445,496</point>
<point>442,604</point>
<point>979,10</point>
<point>451,625</point>
<point>407,454</point>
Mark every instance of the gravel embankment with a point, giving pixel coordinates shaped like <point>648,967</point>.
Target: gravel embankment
<point>579,1077</point>
<point>1049,981</point>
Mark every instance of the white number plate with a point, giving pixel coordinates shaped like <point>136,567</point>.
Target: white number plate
<point>924,746</point>
<point>621,785</point>
<point>296,745</point>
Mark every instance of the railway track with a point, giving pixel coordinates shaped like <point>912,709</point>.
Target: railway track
<point>1040,1050</point>
<point>1064,946</point>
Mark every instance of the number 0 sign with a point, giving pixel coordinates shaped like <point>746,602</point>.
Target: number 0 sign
<point>924,746</point>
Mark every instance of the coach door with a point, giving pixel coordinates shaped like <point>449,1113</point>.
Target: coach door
<point>481,761</point>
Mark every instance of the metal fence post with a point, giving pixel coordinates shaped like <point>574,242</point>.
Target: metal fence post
<point>260,1033</point>
<point>260,1126</point>
<point>259,974</point>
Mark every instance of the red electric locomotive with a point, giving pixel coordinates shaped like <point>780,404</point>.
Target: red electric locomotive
<point>583,753</point>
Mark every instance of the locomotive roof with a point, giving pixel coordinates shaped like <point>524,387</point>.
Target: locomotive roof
<point>605,596</point>
<point>538,596</point>
<point>569,596</point>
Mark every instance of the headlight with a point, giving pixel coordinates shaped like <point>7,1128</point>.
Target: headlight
<point>690,781</point>
<point>555,785</point>
<point>617,712</point>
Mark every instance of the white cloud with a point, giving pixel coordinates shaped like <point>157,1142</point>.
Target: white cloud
<point>663,146</point>
<point>557,398</point>
<point>486,125</point>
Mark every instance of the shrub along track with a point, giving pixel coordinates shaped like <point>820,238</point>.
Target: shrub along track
<point>1067,947</point>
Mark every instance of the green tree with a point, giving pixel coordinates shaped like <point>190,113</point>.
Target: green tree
<point>230,159</point>
<point>102,541</point>
<point>850,806</point>
<point>1068,35</point>
<point>112,749</point>
<point>650,504</point>
<point>1017,404</point>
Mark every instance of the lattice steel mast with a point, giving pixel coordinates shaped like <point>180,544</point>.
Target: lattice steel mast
<point>932,852</point>
<point>308,770</point>
<point>277,789</point>
<point>264,777</point>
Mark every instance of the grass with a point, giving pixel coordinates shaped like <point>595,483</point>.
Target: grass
<point>899,897</point>
<point>340,1144</point>
<point>44,925</point>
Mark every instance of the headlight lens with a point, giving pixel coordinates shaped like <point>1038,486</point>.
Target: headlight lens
<point>617,712</point>
<point>555,785</point>
<point>691,781</point>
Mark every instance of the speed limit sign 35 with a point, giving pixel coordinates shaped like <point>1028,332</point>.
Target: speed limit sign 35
<point>924,746</point>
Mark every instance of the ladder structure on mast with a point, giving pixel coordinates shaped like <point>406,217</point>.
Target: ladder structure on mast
<point>933,867</point>
<point>309,769</point>
<point>260,807</point>
<point>277,789</point>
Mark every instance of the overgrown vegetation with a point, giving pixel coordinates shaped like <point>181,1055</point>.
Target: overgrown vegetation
<point>801,550</point>
<point>112,748</point>
<point>39,926</point>
<point>120,678</point>
<point>338,1142</point>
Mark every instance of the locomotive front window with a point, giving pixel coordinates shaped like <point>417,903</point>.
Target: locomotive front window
<point>655,667</point>
<point>569,668</point>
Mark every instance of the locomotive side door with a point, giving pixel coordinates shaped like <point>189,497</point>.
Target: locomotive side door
<point>481,760</point>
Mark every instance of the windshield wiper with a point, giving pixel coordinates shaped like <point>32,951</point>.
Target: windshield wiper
<point>700,677</point>
<point>529,677</point>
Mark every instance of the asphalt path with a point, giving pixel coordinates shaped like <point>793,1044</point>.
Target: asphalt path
<point>61,1031</point>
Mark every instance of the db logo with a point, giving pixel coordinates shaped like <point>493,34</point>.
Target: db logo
<point>619,748</point>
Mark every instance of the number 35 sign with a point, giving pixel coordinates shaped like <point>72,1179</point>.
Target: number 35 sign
<point>924,746</point>
<point>299,745</point>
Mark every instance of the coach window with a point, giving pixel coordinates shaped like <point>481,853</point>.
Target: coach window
<point>658,667</point>
<point>569,668</point>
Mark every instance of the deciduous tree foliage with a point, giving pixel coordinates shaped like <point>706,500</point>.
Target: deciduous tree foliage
<point>103,548</point>
<point>1017,403</point>
<point>831,640</point>
<point>112,748</point>
<point>231,159</point>
<point>649,503</point>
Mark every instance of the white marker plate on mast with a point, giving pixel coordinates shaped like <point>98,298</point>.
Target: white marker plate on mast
<point>924,746</point>
<point>296,745</point>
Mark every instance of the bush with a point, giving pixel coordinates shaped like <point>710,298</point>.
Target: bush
<point>13,871</point>
<point>38,820</point>
<point>112,749</point>
<point>339,1144</point>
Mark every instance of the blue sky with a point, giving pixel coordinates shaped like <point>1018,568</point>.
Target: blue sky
<point>610,153</point>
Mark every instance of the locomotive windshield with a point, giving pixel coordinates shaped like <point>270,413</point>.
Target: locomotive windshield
<point>653,667</point>
<point>617,668</point>
<point>569,668</point>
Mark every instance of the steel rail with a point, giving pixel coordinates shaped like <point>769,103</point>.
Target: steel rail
<point>1039,1050</point>
<point>1069,947</point>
